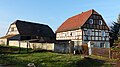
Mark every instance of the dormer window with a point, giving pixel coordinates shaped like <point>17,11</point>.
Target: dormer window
<point>90,21</point>
<point>100,22</point>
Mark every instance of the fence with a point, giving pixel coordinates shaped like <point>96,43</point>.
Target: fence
<point>106,52</point>
<point>101,51</point>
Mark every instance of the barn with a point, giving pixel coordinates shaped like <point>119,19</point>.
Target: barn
<point>28,34</point>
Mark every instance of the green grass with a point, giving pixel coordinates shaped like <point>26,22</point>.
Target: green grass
<point>48,59</point>
<point>13,49</point>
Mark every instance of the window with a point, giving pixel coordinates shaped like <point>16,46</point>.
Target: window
<point>103,38</point>
<point>85,32</point>
<point>71,34</point>
<point>93,38</point>
<point>89,32</point>
<point>12,29</point>
<point>90,21</point>
<point>89,38</point>
<point>96,33</point>
<point>102,33</point>
<point>85,37</point>
<point>97,17</point>
<point>101,45</point>
<point>107,38</point>
<point>96,38</point>
<point>107,34</point>
<point>100,22</point>
<point>99,38</point>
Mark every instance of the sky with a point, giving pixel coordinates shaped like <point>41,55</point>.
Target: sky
<point>53,12</point>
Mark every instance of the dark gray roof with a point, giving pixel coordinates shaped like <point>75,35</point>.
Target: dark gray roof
<point>33,29</point>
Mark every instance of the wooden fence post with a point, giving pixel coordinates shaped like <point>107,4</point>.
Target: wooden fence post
<point>109,53</point>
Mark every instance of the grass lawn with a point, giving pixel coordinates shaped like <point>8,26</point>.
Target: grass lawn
<point>11,58</point>
<point>48,59</point>
<point>13,49</point>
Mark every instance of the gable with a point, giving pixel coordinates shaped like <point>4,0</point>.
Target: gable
<point>12,30</point>
<point>98,23</point>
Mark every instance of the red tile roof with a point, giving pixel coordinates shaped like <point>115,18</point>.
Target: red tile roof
<point>76,21</point>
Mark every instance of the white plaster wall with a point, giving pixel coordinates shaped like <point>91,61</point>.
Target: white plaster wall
<point>45,46</point>
<point>23,44</point>
<point>3,41</point>
<point>13,32</point>
<point>14,43</point>
<point>42,46</point>
<point>70,35</point>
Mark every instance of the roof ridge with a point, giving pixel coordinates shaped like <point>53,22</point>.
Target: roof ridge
<point>17,21</point>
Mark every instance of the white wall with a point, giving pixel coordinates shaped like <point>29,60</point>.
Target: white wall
<point>3,41</point>
<point>69,35</point>
<point>13,32</point>
<point>14,43</point>
<point>42,46</point>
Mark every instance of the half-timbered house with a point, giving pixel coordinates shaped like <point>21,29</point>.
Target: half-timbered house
<point>83,28</point>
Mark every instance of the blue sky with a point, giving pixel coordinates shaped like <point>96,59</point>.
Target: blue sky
<point>53,12</point>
